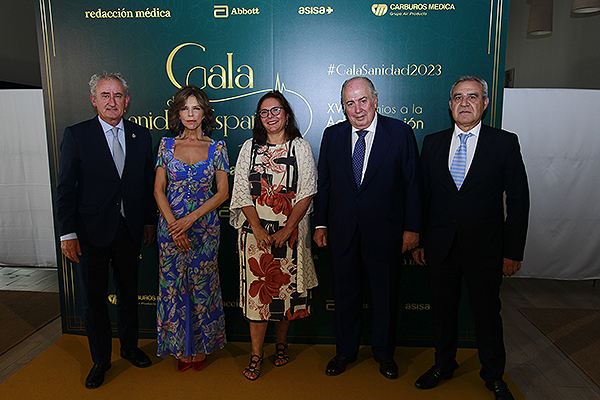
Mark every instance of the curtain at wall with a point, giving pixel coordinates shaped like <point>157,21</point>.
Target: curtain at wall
<point>27,228</point>
<point>559,132</point>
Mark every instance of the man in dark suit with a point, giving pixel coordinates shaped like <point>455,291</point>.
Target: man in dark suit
<point>467,171</point>
<point>368,210</point>
<point>104,207</point>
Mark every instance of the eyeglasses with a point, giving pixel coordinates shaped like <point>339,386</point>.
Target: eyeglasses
<point>275,111</point>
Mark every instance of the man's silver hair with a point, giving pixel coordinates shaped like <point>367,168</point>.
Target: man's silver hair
<point>107,75</point>
<point>474,78</point>
<point>364,78</point>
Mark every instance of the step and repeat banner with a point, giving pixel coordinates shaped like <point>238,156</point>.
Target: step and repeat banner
<point>238,50</point>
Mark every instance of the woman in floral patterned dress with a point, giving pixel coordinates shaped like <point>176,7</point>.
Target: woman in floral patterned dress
<point>275,181</point>
<point>190,318</point>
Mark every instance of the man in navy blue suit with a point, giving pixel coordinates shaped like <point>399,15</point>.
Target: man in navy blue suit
<point>105,207</point>
<point>368,210</point>
<point>475,225</point>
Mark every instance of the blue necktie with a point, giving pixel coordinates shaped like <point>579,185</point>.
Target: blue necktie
<point>458,168</point>
<point>358,157</point>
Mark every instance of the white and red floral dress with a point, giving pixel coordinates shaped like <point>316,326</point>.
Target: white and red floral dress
<point>274,283</point>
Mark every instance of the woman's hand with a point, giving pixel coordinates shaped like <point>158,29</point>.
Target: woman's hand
<point>263,239</point>
<point>182,242</point>
<point>282,236</point>
<point>178,231</point>
<point>179,227</point>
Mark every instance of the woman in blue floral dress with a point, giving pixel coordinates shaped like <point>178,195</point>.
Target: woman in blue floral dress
<point>190,318</point>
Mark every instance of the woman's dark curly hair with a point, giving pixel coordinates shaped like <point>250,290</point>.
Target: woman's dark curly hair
<point>259,133</point>
<point>179,99</point>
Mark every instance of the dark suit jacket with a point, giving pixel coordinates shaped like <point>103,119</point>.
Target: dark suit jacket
<point>89,189</point>
<point>388,201</point>
<point>476,212</point>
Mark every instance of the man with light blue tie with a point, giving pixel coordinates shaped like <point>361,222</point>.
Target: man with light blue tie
<point>368,211</point>
<point>470,173</point>
<point>105,208</point>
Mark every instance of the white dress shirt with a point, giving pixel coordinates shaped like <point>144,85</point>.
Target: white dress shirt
<point>471,145</point>
<point>107,128</point>
<point>369,139</point>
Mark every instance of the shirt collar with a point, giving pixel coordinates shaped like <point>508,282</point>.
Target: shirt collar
<point>106,127</point>
<point>474,131</point>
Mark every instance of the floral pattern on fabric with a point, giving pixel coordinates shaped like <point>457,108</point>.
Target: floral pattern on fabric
<point>190,316</point>
<point>270,278</point>
<point>272,178</point>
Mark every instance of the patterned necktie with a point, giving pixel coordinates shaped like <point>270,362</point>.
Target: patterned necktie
<point>118,154</point>
<point>459,162</point>
<point>358,156</point>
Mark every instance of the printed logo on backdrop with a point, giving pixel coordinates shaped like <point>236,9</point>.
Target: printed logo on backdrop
<point>379,9</point>
<point>124,13</point>
<point>222,11</point>
<point>185,66</point>
<point>315,10</point>
<point>411,9</point>
<point>234,79</point>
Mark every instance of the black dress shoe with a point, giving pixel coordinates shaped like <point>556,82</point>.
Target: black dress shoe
<point>431,378</point>
<point>137,357</point>
<point>337,365</point>
<point>96,376</point>
<point>500,389</point>
<point>387,367</point>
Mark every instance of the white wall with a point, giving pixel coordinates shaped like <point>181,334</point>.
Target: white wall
<point>559,132</point>
<point>27,227</point>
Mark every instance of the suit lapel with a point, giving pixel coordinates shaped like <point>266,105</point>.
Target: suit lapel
<point>129,145</point>
<point>105,156</point>
<point>483,147</point>
<point>345,153</point>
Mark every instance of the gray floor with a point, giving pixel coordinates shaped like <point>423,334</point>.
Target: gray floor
<point>536,365</point>
<point>540,370</point>
<point>30,279</point>
<point>36,280</point>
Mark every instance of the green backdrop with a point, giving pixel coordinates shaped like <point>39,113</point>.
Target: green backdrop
<point>236,51</point>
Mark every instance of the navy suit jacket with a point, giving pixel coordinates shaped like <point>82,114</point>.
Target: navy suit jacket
<point>476,212</point>
<point>388,201</point>
<point>90,190</point>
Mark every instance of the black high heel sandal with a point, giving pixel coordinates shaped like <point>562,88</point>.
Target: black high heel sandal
<point>255,362</point>
<point>280,355</point>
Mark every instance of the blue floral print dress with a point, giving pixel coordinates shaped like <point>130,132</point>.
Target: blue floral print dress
<point>190,316</point>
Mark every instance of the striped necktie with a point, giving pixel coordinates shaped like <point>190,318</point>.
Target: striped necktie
<point>458,168</point>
